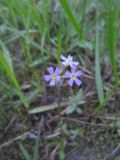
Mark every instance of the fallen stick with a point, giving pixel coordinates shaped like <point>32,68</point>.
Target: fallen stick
<point>24,135</point>
<point>114,154</point>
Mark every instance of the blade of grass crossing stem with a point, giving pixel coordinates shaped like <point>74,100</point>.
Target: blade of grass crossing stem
<point>112,25</point>
<point>71,17</point>
<point>101,105</point>
<point>11,75</point>
<point>97,66</point>
<point>107,97</point>
<point>24,152</point>
<point>36,149</point>
<point>6,54</point>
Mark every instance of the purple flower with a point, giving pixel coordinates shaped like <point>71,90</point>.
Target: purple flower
<point>68,61</point>
<point>73,75</point>
<point>54,76</point>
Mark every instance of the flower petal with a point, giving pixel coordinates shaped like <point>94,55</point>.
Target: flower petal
<point>65,63</point>
<point>57,71</point>
<point>76,63</point>
<point>63,58</point>
<point>58,78</point>
<point>78,82</point>
<point>73,69</point>
<point>79,73</point>
<point>47,77</point>
<point>51,70</point>
<point>52,82</point>
<point>71,82</point>
<point>72,64</point>
<point>67,74</point>
<point>70,58</point>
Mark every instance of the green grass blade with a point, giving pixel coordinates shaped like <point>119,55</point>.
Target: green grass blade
<point>43,39</point>
<point>97,67</point>
<point>36,149</point>
<point>24,152</point>
<point>46,15</point>
<point>59,45</point>
<point>107,97</point>
<point>112,26</point>
<point>37,19</point>
<point>118,158</point>
<point>72,18</point>
<point>83,16</point>
<point>11,75</point>
<point>103,102</point>
<point>6,54</point>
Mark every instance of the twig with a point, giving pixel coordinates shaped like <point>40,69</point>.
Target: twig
<point>52,155</point>
<point>22,136</point>
<point>112,118</point>
<point>53,135</point>
<point>57,116</point>
<point>114,154</point>
<point>87,123</point>
<point>10,123</point>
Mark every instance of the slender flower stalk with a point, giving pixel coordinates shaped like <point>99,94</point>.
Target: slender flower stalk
<point>56,75</point>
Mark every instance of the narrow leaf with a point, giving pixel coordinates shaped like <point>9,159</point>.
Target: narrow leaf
<point>70,15</point>
<point>24,152</point>
<point>47,107</point>
<point>112,26</point>
<point>97,67</point>
<point>11,75</point>
<point>36,149</point>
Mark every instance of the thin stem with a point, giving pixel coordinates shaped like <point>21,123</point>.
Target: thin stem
<point>59,104</point>
<point>59,95</point>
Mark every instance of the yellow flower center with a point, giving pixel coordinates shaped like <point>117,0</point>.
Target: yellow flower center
<point>73,75</point>
<point>54,76</point>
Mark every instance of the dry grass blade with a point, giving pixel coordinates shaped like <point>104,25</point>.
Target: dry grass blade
<point>47,107</point>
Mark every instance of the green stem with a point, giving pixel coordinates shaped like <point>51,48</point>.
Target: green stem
<point>59,95</point>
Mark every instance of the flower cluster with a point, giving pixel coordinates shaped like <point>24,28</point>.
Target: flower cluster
<point>57,74</point>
